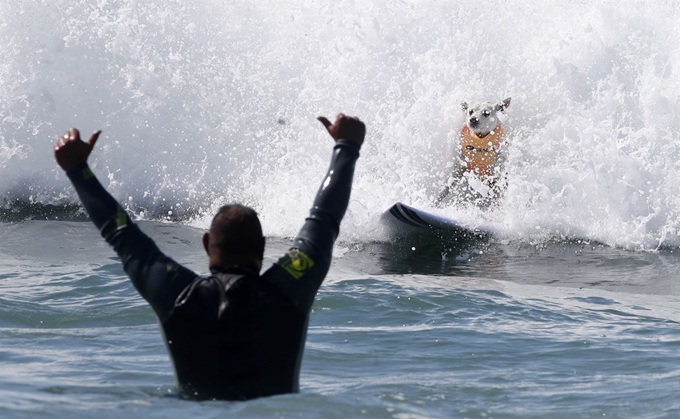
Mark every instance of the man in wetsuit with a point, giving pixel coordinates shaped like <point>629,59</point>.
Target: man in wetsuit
<point>236,335</point>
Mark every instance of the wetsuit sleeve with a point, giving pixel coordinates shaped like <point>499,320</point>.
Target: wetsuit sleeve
<point>301,271</point>
<point>158,278</point>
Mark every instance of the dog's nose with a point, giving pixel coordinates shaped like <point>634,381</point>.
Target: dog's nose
<point>474,121</point>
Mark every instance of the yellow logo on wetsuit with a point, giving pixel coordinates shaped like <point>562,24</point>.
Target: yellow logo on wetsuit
<point>296,263</point>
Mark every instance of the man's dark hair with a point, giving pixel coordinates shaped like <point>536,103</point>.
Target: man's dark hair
<point>236,229</point>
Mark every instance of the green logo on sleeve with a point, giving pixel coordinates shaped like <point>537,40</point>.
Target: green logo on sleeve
<point>296,263</point>
<point>121,217</point>
<point>87,173</point>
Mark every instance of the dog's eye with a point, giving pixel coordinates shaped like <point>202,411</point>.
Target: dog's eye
<point>486,113</point>
<point>471,111</point>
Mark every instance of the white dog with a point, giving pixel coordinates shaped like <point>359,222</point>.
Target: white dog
<point>480,141</point>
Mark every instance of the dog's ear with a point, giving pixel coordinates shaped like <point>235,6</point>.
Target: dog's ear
<point>502,106</point>
<point>464,106</point>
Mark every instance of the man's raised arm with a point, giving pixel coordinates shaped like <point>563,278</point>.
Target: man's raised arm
<point>157,278</point>
<point>308,261</point>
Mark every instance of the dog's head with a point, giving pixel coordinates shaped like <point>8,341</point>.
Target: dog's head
<point>482,118</point>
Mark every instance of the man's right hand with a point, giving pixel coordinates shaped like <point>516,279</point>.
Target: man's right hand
<point>70,151</point>
<point>345,128</point>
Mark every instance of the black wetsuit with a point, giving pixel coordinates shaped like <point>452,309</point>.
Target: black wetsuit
<point>237,334</point>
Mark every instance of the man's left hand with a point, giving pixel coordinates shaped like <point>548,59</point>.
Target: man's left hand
<point>70,151</point>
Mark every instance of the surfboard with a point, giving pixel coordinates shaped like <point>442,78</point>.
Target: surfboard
<point>402,219</point>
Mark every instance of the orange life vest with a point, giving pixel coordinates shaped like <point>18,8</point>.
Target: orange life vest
<point>480,153</point>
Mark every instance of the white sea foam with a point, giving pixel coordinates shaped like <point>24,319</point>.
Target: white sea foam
<point>210,102</point>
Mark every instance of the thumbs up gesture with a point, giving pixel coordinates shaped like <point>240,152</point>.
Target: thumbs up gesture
<point>345,128</point>
<point>70,151</point>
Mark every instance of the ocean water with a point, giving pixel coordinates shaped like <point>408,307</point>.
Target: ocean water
<point>570,311</point>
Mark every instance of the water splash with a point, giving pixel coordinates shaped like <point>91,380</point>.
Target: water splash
<point>207,103</point>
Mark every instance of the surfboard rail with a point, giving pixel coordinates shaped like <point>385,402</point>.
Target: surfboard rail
<point>402,218</point>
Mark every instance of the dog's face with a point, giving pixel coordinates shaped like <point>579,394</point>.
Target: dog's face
<point>482,118</point>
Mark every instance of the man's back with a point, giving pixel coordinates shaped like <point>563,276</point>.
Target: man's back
<point>234,336</point>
